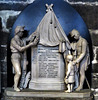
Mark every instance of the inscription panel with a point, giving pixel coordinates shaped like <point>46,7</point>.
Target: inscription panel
<point>48,61</point>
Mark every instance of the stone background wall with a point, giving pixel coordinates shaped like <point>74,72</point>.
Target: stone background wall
<point>10,9</point>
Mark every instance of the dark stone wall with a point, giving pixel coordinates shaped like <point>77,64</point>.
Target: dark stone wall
<point>10,9</point>
<point>83,0</point>
<point>89,14</point>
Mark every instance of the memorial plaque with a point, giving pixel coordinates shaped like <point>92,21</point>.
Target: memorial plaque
<point>48,62</point>
<point>47,68</point>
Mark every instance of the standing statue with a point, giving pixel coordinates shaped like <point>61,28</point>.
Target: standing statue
<point>17,47</point>
<point>80,52</point>
<point>70,75</point>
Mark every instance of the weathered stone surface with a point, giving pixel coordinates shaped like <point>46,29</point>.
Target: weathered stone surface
<point>0,23</point>
<point>11,21</point>
<point>89,14</point>
<point>96,96</point>
<point>3,68</point>
<point>46,95</point>
<point>14,0</point>
<point>94,37</point>
<point>4,79</point>
<point>3,54</point>
<point>82,0</point>
<point>17,98</point>
<point>4,38</point>
<point>95,68</point>
<point>24,98</point>
<point>15,6</point>
<point>6,17</point>
<point>47,69</point>
<point>0,77</point>
<point>95,80</point>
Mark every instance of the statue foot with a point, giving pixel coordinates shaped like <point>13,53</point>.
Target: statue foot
<point>79,88</point>
<point>75,87</point>
<point>17,89</point>
<point>67,91</point>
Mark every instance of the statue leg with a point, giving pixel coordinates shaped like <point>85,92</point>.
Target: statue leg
<point>76,81</point>
<point>69,88</point>
<point>82,78</point>
<point>16,65</point>
<point>72,87</point>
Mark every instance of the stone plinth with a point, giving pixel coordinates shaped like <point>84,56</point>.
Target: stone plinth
<point>28,94</point>
<point>96,95</point>
<point>47,69</point>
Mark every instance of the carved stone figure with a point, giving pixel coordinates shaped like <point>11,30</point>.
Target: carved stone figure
<point>17,47</point>
<point>70,75</point>
<point>80,52</point>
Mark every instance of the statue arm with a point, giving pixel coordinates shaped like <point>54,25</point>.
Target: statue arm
<point>21,49</point>
<point>84,46</point>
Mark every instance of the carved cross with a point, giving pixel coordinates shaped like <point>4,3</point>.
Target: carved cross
<point>49,7</point>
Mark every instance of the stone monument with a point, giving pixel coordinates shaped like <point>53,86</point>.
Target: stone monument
<point>50,63</point>
<point>48,68</point>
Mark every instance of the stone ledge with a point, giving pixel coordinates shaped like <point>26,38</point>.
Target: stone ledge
<point>48,94</point>
<point>96,96</point>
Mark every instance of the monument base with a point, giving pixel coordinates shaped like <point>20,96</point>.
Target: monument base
<point>28,94</point>
<point>95,95</point>
<point>42,85</point>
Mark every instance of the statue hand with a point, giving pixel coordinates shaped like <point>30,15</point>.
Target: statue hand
<point>31,44</point>
<point>34,42</point>
<point>66,80</point>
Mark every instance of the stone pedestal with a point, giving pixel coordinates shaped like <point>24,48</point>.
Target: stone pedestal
<point>28,94</point>
<point>47,69</point>
<point>96,95</point>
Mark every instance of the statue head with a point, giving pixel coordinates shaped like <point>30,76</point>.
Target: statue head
<point>69,57</point>
<point>75,34</point>
<point>19,30</point>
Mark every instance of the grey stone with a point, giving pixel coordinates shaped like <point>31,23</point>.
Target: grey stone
<point>3,53</point>
<point>5,16</point>
<point>47,69</point>
<point>82,0</point>
<point>0,77</point>
<point>95,68</point>
<point>3,38</point>
<point>4,79</point>
<point>0,23</point>
<point>95,80</point>
<point>13,6</point>
<point>15,0</point>
<point>89,14</point>
<point>96,96</point>
<point>49,94</point>
<point>3,66</point>
<point>94,37</point>
<point>11,21</point>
